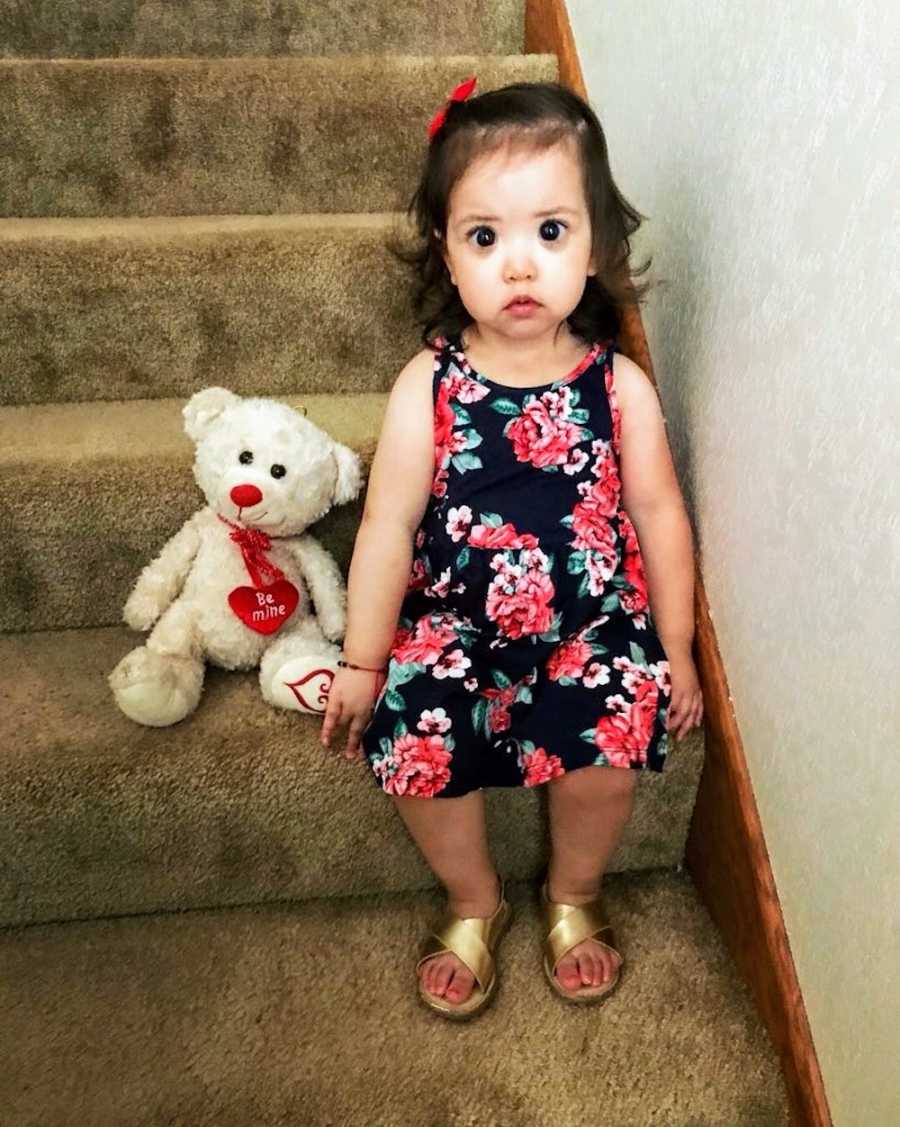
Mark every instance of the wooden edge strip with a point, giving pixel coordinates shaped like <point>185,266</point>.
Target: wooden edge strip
<point>726,852</point>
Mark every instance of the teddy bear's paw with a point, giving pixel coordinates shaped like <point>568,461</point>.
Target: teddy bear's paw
<point>141,610</point>
<point>156,689</point>
<point>301,684</point>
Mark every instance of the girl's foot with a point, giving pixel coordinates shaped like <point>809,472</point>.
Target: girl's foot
<point>445,976</point>
<point>589,963</point>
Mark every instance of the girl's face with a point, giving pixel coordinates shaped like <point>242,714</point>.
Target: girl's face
<point>518,243</point>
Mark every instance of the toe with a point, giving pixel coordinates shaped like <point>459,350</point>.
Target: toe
<point>461,985</point>
<point>567,972</point>
<point>587,964</point>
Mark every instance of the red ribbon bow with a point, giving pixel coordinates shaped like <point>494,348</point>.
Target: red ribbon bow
<point>459,95</point>
<point>253,544</point>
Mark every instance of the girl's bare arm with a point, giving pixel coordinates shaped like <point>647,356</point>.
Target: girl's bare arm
<point>397,495</point>
<point>652,498</point>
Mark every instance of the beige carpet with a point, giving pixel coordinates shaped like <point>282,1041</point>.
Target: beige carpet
<point>304,1014</point>
<point>71,28</point>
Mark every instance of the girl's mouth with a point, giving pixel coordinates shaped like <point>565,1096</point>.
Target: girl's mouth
<point>522,306</point>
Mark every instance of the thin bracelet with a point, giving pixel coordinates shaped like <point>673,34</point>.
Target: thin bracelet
<point>363,668</point>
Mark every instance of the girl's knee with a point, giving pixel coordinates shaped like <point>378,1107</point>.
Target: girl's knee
<point>605,781</point>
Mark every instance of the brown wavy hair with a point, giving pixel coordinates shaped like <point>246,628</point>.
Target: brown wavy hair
<point>529,114</point>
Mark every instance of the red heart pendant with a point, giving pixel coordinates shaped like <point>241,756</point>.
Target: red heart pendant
<point>265,609</point>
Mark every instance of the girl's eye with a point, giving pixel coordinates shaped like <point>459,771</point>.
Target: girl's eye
<point>277,470</point>
<point>484,236</point>
<point>551,229</point>
<point>245,457</point>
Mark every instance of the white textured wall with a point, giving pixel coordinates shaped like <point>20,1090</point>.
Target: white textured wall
<point>760,139</point>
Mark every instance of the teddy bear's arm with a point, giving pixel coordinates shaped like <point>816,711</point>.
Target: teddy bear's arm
<point>326,585</point>
<point>161,581</point>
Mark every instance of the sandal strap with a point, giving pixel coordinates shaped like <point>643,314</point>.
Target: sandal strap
<point>472,940</point>
<point>570,925</point>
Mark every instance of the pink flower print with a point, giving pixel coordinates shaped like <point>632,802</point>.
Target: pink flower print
<point>471,684</point>
<point>591,518</point>
<point>635,599</point>
<point>425,645</point>
<point>434,721</point>
<point>418,766</point>
<point>453,664</point>
<point>596,674</point>
<point>569,659</point>
<point>418,577</point>
<point>444,418</point>
<point>624,736</point>
<point>613,407</point>
<point>600,564</point>
<point>461,386</point>
<point>498,718</point>
<point>540,767</point>
<point>440,587</point>
<point>576,463</point>
<point>519,598</point>
<point>607,488</point>
<point>457,442</point>
<point>420,538</point>
<point>439,485</point>
<point>458,521</point>
<point>632,674</point>
<point>541,438</point>
<point>500,700</point>
<point>503,536</point>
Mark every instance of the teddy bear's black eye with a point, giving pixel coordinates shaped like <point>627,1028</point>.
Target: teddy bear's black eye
<point>278,471</point>
<point>245,457</point>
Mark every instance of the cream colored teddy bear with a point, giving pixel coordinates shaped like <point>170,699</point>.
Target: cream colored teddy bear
<point>233,586</point>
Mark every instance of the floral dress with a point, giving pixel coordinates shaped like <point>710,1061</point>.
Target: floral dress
<point>525,646</point>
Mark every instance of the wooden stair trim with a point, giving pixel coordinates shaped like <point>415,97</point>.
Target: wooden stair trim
<point>726,853</point>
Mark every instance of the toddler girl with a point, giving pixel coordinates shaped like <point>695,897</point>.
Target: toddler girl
<point>499,631</point>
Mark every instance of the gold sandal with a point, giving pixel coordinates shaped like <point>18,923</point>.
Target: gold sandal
<point>473,941</point>
<point>568,926</point>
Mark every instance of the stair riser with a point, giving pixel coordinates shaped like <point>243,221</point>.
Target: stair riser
<point>107,28</point>
<point>73,549</point>
<point>238,804</point>
<point>188,137</point>
<point>143,311</point>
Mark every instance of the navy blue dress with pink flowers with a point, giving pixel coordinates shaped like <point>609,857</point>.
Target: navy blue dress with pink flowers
<point>525,646</point>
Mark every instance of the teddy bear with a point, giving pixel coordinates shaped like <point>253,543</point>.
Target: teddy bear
<point>243,583</point>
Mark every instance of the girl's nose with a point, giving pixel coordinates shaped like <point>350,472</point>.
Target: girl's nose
<point>519,269</point>
<point>246,495</point>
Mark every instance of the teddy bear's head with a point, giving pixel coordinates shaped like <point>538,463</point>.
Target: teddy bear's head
<point>265,464</point>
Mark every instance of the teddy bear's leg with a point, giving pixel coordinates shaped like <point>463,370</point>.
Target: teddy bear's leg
<point>160,683</point>
<point>296,671</point>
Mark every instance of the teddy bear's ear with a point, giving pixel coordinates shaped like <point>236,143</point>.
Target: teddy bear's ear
<point>202,409</point>
<point>349,480</point>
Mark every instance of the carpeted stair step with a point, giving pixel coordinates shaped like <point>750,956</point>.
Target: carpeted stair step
<point>104,28</point>
<point>148,308</point>
<point>240,803</point>
<point>307,1014</point>
<point>229,136</point>
<point>92,491</point>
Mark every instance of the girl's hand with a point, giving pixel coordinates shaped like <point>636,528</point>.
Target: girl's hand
<point>350,701</point>
<point>686,701</point>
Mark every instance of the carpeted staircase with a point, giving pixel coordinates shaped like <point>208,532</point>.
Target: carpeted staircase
<point>216,923</point>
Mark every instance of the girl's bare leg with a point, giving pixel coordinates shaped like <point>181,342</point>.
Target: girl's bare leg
<point>589,809</point>
<point>452,836</point>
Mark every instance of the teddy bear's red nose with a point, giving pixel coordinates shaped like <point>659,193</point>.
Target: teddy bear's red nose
<point>246,495</point>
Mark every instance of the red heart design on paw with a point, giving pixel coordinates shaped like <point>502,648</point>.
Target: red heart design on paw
<point>265,609</point>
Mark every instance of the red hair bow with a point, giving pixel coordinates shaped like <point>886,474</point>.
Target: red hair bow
<point>459,95</point>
